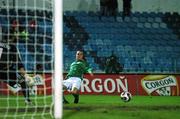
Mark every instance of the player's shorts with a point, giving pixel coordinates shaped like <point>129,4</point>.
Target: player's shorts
<point>72,82</point>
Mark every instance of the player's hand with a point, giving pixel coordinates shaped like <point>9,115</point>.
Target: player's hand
<point>91,74</point>
<point>29,80</point>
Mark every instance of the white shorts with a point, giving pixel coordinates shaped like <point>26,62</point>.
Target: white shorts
<point>72,82</point>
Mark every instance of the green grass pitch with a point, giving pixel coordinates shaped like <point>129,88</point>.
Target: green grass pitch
<point>111,107</point>
<point>94,107</point>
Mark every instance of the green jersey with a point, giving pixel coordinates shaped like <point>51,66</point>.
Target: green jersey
<point>78,68</point>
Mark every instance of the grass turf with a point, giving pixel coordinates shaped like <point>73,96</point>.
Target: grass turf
<point>94,107</point>
<point>111,107</point>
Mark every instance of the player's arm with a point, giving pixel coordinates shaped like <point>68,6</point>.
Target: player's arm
<point>21,68</point>
<point>22,71</point>
<point>19,63</point>
<point>89,69</point>
<point>29,80</point>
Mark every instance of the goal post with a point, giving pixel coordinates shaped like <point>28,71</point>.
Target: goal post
<point>37,27</point>
<point>58,58</point>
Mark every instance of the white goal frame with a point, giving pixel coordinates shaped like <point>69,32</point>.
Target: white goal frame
<point>58,23</point>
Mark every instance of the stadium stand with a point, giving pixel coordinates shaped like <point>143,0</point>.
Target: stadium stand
<point>31,55</point>
<point>144,42</point>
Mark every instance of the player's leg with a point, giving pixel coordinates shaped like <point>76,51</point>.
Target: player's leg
<point>76,96</point>
<point>25,88</point>
<point>64,99</point>
<point>11,79</point>
<point>66,86</point>
<point>75,89</point>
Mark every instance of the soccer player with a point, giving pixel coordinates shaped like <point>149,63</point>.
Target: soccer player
<point>11,66</point>
<point>75,76</point>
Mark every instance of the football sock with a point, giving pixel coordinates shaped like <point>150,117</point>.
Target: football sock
<point>76,98</point>
<point>25,90</point>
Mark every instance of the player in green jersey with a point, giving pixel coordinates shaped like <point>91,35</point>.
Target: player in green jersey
<point>75,76</point>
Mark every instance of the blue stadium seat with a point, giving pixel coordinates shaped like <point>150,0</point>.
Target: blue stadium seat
<point>144,35</point>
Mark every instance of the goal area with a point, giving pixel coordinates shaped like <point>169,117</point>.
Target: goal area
<point>36,26</point>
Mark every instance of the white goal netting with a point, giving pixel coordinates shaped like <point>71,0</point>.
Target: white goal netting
<point>28,25</point>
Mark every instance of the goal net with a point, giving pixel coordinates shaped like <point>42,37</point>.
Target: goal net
<point>28,26</point>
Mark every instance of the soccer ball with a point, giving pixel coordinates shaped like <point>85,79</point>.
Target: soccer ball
<point>126,96</point>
